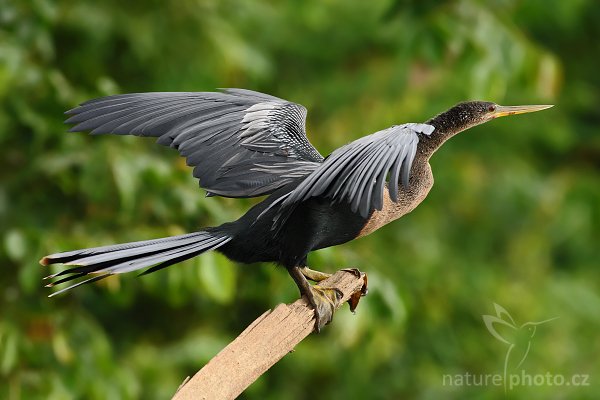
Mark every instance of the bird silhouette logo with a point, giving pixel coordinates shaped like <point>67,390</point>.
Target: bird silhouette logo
<point>518,338</point>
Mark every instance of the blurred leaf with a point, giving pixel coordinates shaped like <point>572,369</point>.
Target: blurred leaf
<point>15,244</point>
<point>8,350</point>
<point>61,348</point>
<point>218,277</point>
<point>124,172</point>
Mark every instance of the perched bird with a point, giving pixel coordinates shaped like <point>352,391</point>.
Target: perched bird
<point>243,143</point>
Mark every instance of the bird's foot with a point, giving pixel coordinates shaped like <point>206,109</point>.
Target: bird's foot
<point>324,301</point>
<point>315,276</point>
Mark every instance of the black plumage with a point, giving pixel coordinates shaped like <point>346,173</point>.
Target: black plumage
<point>223,135</point>
<point>243,143</point>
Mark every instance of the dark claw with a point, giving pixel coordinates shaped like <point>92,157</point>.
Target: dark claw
<point>355,298</point>
<point>353,271</point>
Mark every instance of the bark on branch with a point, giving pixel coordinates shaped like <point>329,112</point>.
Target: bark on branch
<point>263,343</point>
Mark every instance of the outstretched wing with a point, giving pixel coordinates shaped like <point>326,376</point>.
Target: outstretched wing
<point>357,172</point>
<point>241,143</point>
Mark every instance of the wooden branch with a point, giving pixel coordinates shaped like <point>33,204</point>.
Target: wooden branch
<point>264,342</point>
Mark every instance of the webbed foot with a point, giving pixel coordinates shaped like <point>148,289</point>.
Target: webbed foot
<point>324,301</point>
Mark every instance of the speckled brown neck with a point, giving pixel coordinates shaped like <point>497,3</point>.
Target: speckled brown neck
<point>421,181</point>
<point>446,124</point>
<point>421,178</point>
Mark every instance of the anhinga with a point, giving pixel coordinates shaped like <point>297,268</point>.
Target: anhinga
<point>243,143</point>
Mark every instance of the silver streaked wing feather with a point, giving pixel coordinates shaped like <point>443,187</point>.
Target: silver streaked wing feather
<point>241,143</point>
<point>356,173</point>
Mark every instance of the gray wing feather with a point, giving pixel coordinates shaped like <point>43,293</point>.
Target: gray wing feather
<point>356,173</point>
<point>241,143</point>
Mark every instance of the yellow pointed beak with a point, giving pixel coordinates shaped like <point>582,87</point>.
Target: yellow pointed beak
<point>503,111</point>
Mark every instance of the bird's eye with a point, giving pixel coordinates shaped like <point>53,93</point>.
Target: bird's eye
<point>492,108</point>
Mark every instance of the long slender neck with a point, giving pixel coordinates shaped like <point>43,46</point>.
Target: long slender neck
<point>446,124</point>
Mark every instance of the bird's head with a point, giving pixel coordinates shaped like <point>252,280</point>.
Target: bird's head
<point>468,114</point>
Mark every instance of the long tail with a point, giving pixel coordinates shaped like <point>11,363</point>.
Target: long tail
<point>120,258</point>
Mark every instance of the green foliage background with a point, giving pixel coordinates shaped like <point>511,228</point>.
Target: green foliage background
<point>514,217</point>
